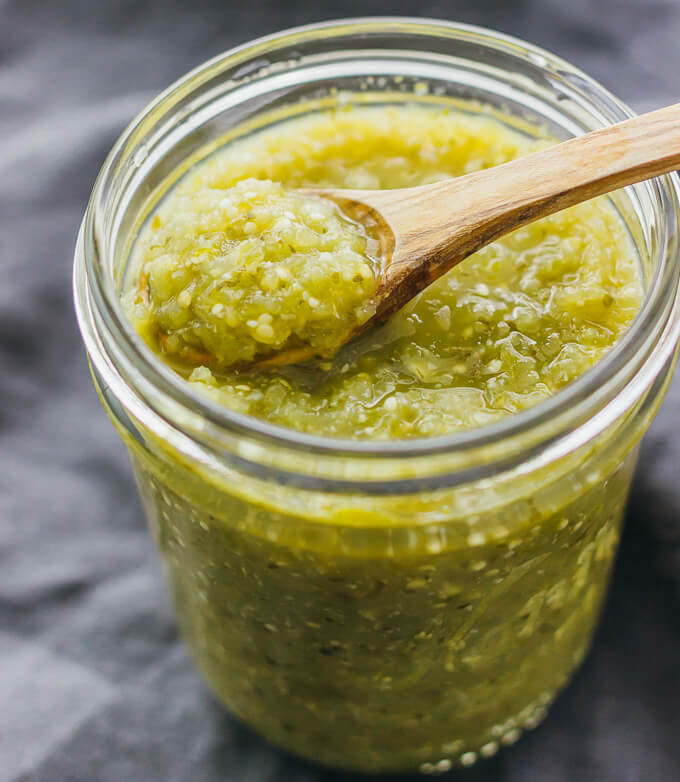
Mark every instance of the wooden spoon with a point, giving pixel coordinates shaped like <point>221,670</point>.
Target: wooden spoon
<point>427,230</point>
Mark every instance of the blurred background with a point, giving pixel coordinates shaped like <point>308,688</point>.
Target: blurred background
<point>94,686</point>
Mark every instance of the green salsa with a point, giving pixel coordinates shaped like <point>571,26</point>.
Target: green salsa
<point>367,632</point>
<point>506,329</point>
<point>233,274</point>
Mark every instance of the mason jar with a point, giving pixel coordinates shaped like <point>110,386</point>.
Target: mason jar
<point>378,606</point>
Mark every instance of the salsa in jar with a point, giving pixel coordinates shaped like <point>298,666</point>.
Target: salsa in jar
<point>414,653</point>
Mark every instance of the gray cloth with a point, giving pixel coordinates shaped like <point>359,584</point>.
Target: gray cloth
<point>94,684</point>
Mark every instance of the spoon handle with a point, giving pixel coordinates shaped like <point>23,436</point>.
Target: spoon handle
<point>593,164</point>
<point>442,223</point>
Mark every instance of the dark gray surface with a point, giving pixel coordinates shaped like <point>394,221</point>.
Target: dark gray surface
<point>94,686</point>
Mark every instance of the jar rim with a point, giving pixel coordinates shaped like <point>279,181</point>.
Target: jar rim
<point>632,364</point>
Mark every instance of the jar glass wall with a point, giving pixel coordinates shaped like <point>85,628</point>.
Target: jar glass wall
<point>394,605</point>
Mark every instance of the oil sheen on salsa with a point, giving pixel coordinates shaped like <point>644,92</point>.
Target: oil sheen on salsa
<point>363,631</point>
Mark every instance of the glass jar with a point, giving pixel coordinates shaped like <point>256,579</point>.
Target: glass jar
<point>395,605</point>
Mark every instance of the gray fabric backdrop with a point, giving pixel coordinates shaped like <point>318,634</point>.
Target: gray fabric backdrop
<point>94,685</point>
